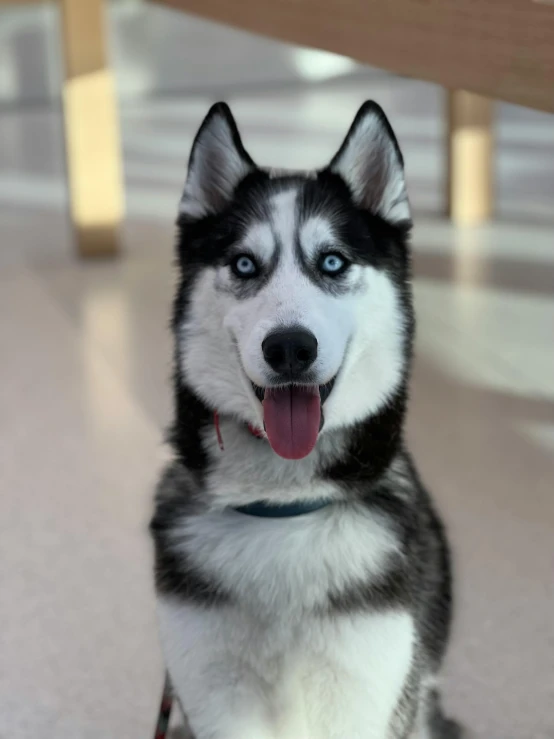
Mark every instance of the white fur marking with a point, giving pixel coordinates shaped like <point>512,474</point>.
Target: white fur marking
<point>241,678</point>
<point>259,240</point>
<point>285,563</point>
<point>284,217</point>
<point>315,233</point>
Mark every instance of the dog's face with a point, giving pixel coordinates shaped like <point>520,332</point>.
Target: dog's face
<point>294,310</point>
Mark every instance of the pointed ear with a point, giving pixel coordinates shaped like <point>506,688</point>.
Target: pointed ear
<point>371,164</point>
<point>218,162</point>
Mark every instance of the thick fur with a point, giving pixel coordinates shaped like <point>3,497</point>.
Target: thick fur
<point>332,624</point>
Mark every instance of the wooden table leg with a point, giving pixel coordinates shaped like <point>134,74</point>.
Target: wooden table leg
<point>470,157</point>
<point>91,129</point>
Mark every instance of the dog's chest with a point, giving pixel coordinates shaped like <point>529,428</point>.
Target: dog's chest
<point>290,564</point>
<point>318,679</point>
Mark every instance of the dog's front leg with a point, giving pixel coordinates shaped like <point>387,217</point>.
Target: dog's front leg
<point>219,692</point>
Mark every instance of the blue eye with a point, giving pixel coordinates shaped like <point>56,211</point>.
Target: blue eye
<point>332,264</point>
<point>244,266</point>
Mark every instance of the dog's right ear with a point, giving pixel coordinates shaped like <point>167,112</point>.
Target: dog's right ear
<point>218,162</point>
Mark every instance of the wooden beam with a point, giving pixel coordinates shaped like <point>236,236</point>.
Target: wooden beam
<point>502,49</point>
<point>470,157</point>
<point>91,129</point>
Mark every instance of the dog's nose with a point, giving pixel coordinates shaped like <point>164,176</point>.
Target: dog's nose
<point>290,352</point>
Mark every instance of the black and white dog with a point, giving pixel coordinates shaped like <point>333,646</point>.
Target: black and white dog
<point>303,576</point>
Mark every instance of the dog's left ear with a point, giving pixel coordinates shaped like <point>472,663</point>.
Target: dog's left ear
<point>218,162</point>
<point>371,164</point>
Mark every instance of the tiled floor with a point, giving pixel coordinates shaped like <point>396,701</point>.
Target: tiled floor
<point>84,397</point>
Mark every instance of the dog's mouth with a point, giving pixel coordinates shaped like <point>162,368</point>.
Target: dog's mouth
<point>293,416</point>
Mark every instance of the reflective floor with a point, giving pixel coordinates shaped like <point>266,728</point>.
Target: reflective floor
<point>84,391</point>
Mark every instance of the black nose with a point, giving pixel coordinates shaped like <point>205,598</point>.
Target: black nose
<point>290,352</point>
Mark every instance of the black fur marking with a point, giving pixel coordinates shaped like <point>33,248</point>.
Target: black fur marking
<point>175,575</point>
<point>441,727</point>
<point>363,238</point>
<point>191,414</point>
<point>374,444</point>
<point>389,591</point>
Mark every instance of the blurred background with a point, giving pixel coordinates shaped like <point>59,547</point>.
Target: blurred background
<point>85,363</point>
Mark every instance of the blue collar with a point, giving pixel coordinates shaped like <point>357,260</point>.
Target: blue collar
<point>261,509</point>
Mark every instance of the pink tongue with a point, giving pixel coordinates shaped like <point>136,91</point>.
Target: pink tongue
<point>291,418</point>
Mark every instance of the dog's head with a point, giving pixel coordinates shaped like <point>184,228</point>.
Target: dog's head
<point>294,308</point>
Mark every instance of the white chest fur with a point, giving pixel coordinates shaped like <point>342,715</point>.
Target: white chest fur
<point>287,565</point>
<point>272,664</point>
<point>337,678</point>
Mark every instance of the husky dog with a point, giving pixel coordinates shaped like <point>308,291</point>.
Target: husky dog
<point>302,573</point>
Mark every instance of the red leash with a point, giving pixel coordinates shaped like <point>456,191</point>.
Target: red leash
<point>164,713</point>
<point>218,431</point>
<point>258,433</point>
